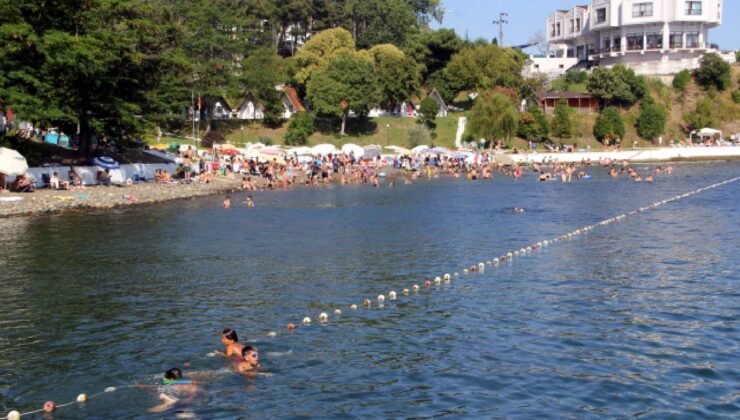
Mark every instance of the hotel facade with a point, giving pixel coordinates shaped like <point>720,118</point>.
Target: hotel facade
<point>654,37</point>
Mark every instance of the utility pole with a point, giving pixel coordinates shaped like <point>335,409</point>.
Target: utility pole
<point>501,22</point>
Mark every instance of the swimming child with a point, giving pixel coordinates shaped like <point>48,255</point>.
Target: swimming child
<point>249,202</point>
<point>174,388</point>
<point>227,202</point>
<point>231,341</point>
<point>250,360</point>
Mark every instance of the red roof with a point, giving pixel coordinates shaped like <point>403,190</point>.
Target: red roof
<point>293,98</point>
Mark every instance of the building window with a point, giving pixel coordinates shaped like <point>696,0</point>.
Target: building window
<point>607,44</point>
<point>578,25</point>
<point>601,15</point>
<point>617,44</point>
<point>591,48</point>
<point>693,8</point>
<point>552,32</point>
<point>692,39</point>
<point>570,28</point>
<point>655,41</point>
<point>642,9</point>
<point>537,66</point>
<point>634,42</point>
<point>558,28</point>
<point>676,40</point>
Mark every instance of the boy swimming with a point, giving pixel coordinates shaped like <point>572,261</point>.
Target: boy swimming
<point>231,342</point>
<point>173,389</point>
<point>250,360</point>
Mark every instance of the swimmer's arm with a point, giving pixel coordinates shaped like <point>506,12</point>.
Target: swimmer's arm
<point>167,403</point>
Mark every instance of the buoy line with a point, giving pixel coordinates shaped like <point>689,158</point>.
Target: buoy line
<point>323,317</point>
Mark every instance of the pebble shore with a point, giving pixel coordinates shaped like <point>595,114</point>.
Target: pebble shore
<point>55,201</point>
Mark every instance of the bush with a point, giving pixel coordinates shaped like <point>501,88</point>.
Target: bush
<point>300,129</point>
<point>681,80</point>
<point>651,120</point>
<point>736,96</point>
<point>714,72</point>
<point>418,136</point>
<point>616,86</point>
<point>267,141</point>
<point>212,137</point>
<point>702,116</point>
<point>609,126</point>
<point>533,124</point>
<point>561,125</point>
<point>575,77</point>
<point>428,111</point>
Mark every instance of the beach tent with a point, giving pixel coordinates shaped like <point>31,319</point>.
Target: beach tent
<point>419,149</point>
<point>706,132</point>
<point>354,149</point>
<point>372,151</point>
<point>324,149</point>
<point>12,162</point>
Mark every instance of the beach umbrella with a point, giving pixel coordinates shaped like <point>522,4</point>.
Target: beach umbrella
<point>372,151</point>
<point>300,151</point>
<point>231,152</point>
<point>272,151</point>
<point>105,162</point>
<point>324,149</point>
<point>12,162</point>
<point>399,150</point>
<point>255,146</point>
<point>354,149</point>
<point>419,149</point>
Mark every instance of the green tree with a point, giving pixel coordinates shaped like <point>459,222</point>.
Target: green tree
<point>428,111</point>
<point>300,129</point>
<point>533,124</point>
<point>609,126</point>
<point>736,96</point>
<point>346,83</point>
<point>651,120</point>
<point>714,71</point>
<point>681,80</point>
<point>616,86</point>
<point>397,76</point>
<point>318,51</point>
<point>493,117</point>
<point>561,125</point>
<point>575,77</point>
<point>484,67</point>
<point>702,116</point>
<point>262,71</point>
<point>432,50</point>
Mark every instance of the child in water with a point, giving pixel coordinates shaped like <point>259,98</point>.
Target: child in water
<point>227,202</point>
<point>231,341</point>
<point>249,202</point>
<point>250,360</point>
<point>173,389</point>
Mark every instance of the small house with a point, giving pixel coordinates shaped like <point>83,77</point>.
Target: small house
<point>581,102</point>
<point>443,109</point>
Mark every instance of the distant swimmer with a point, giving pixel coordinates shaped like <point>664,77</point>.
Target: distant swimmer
<point>173,389</point>
<point>249,202</point>
<point>231,341</point>
<point>227,202</point>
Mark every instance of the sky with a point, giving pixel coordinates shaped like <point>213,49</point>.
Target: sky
<point>526,17</point>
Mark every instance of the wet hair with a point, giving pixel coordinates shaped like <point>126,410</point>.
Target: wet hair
<point>230,333</point>
<point>246,350</point>
<point>173,374</point>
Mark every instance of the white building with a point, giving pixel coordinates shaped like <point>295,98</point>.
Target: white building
<point>654,37</point>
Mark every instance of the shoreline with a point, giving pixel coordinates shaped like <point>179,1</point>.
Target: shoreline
<point>46,201</point>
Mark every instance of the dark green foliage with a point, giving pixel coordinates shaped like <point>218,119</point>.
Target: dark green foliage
<point>703,115</point>
<point>428,111</point>
<point>576,77</point>
<point>616,86</point>
<point>652,119</point>
<point>561,125</point>
<point>609,126</point>
<point>681,80</point>
<point>714,72</point>
<point>736,96</point>
<point>300,129</point>
<point>493,117</point>
<point>533,124</point>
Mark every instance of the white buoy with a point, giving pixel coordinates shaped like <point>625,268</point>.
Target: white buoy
<point>323,317</point>
<point>437,280</point>
<point>523,251</point>
<point>539,244</point>
<point>447,276</point>
<point>509,255</point>
<point>516,253</point>
<point>406,292</point>
<point>14,415</point>
<point>465,271</point>
<point>495,260</point>
<point>110,389</point>
<point>353,307</point>
<point>306,320</point>
<point>82,398</point>
<point>529,248</point>
<point>489,262</point>
<point>416,288</point>
<point>481,266</point>
<point>381,298</point>
<point>338,311</point>
<point>392,295</point>
<point>457,274</point>
<point>271,334</point>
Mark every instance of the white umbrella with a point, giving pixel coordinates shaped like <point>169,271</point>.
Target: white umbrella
<point>350,148</point>
<point>419,149</point>
<point>300,151</point>
<point>12,162</point>
<point>324,149</point>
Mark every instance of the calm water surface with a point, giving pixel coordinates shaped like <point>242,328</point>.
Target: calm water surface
<point>638,318</point>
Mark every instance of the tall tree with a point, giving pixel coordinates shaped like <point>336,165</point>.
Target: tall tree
<point>318,51</point>
<point>493,117</point>
<point>651,119</point>
<point>345,84</point>
<point>483,67</point>
<point>609,126</point>
<point>714,72</point>
<point>397,76</point>
<point>561,125</point>
<point>616,86</point>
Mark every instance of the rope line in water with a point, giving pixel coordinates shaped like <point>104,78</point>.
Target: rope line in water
<point>323,317</point>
